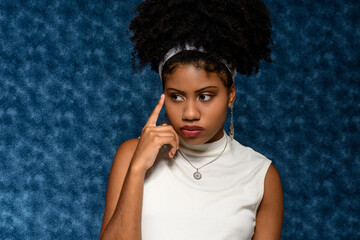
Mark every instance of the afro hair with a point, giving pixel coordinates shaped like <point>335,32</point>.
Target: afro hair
<point>237,31</point>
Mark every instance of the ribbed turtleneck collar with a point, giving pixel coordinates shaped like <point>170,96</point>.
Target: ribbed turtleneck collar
<point>204,150</point>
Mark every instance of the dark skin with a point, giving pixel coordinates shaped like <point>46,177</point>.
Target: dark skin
<point>190,93</point>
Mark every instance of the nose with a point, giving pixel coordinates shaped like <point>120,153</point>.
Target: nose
<point>191,111</point>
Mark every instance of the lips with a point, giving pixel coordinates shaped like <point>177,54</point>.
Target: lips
<point>191,130</point>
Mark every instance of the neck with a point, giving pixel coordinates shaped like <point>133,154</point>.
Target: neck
<point>206,149</point>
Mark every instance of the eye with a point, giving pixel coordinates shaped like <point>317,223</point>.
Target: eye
<point>177,98</point>
<point>205,97</point>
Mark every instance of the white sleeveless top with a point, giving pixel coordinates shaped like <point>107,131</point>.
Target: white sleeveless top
<point>222,205</point>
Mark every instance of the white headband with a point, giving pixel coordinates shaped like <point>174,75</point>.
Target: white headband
<point>187,47</point>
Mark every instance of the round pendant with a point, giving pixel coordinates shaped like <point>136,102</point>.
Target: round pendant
<point>197,175</point>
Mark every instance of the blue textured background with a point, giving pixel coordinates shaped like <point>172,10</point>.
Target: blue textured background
<point>68,98</point>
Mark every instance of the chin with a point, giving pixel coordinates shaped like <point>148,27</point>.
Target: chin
<point>196,140</point>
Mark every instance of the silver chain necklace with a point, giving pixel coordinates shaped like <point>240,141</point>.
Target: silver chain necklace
<point>197,175</point>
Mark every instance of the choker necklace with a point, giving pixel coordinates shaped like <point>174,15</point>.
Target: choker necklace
<point>197,175</point>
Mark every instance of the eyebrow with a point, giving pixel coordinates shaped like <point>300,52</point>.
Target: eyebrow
<point>201,89</point>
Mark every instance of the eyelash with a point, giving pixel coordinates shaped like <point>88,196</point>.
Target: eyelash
<point>173,96</point>
<point>207,95</point>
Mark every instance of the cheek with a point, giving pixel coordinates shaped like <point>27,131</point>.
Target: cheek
<point>219,113</point>
<point>218,110</point>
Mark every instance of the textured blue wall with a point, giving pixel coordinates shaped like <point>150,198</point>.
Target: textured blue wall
<point>68,98</point>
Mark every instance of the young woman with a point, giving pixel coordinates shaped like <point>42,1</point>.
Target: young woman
<point>187,179</point>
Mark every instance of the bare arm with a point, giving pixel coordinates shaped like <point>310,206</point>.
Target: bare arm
<point>270,213</point>
<point>123,208</point>
<point>129,182</point>
<point>116,178</point>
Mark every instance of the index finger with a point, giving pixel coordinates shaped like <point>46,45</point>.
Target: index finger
<point>155,113</point>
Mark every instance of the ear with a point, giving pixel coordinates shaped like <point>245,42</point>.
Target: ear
<point>231,95</point>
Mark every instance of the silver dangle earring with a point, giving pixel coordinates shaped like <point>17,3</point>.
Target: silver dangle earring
<point>231,130</point>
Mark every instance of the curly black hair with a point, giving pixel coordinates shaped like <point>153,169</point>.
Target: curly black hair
<point>237,31</point>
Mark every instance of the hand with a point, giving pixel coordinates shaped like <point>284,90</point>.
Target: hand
<point>152,138</point>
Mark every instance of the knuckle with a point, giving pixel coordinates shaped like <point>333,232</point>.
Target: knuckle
<point>170,128</point>
<point>151,133</point>
<point>156,139</point>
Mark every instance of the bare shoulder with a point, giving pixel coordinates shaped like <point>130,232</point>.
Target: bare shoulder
<point>269,216</point>
<point>272,178</point>
<point>121,164</point>
<point>126,149</point>
<point>273,195</point>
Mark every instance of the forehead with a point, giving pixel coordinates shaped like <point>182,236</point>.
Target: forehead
<point>189,77</point>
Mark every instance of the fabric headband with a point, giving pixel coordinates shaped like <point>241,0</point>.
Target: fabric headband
<point>187,47</point>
